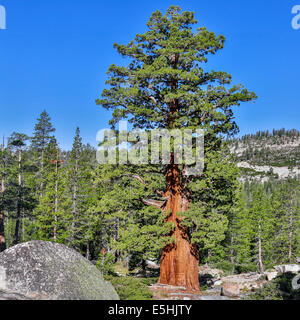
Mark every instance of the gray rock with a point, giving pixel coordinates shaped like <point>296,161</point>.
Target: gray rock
<point>230,289</point>
<point>152,264</point>
<point>212,292</point>
<point>215,274</point>
<point>294,268</point>
<point>245,281</point>
<point>9,295</point>
<point>49,271</point>
<point>271,275</point>
<point>218,283</point>
<point>215,298</point>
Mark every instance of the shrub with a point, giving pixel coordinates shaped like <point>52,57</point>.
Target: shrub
<point>245,268</point>
<point>226,266</point>
<point>129,288</point>
<point>277,289</point>
<point>105,263</point>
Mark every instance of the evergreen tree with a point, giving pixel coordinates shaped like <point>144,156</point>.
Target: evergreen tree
<point>241,235</point>
<point>262,222</point>
<point>166,86</point>
<point>212,205</point>
<point>42,136</point>
<point>17,142</point>
<point>52,219</point>
<point>285,200</point>
<point>131,231</point>
<point>79,170</point>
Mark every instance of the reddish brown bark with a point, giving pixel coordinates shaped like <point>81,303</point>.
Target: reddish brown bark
<point>179,261</point>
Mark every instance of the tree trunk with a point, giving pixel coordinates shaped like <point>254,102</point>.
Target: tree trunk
<point>56,199</point>
<point>179,261</point>
<point>291,229</point>
<point>75,191</point>
<point>42,174</point>
<point>144,268</point>
<point>23,227</point>
<point>19,204</point>
<point>3,169</point>
<point>232,254</point>
<point>2,235</point>
<point>87,255</point>
<point>260,263</point>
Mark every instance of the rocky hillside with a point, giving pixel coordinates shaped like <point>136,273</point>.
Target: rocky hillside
<point>266,155</point>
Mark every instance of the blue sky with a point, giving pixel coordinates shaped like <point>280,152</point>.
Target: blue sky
<point>55,53</point>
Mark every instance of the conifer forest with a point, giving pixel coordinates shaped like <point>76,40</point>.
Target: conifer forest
<point>241,214</point>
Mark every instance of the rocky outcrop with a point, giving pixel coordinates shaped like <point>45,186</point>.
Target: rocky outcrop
<point>9,295</point>
<point>293,268</point>
<point>241,285</point>
<point>49,271</point>
<point>150,264</point>
<point>282,269</point>
<point>282,172</point>
<point>235,285</point>
<point>208,276</point>
<point>271,275</point>
<point>216,274</point>
<point>217,286</point>
<point>230,289</point>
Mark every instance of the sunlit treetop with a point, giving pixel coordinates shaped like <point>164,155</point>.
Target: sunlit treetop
<point>165,84</point>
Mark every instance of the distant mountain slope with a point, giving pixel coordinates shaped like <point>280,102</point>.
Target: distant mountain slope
<point>264,154</point>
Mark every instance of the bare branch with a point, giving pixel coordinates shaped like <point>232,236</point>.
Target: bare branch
<point>162,194</point>
<point>207,112</point>
<point>135,176</point>
<point>153,100</point>
<point>156,203</point>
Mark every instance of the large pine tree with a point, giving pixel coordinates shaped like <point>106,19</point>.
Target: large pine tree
<point>166,86</point>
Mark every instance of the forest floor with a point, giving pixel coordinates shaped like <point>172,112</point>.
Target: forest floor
<point>136,285</point>
<point>132,285</point>
<point>167,292</point>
